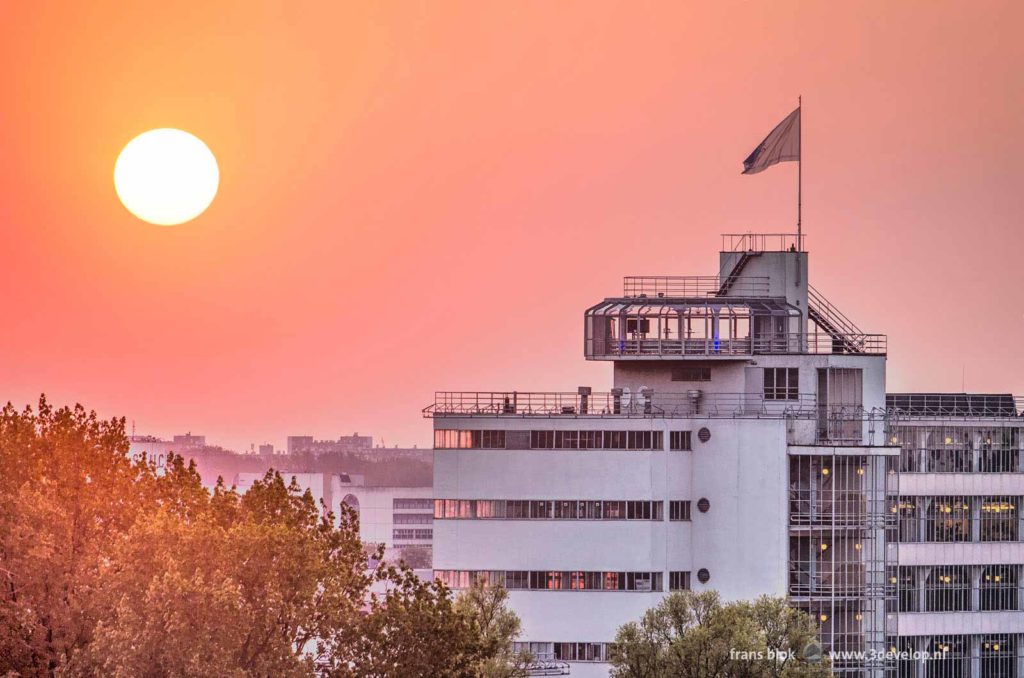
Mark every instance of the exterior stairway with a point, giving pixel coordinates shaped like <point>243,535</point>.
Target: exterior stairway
<point>846,336</point>
<point>734,274</point>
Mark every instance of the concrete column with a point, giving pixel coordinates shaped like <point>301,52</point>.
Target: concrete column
<point>976,588</point>
<point>921,584</point>
<point>975,450</point>
<point>1020,595</point>
<point>975,519</point>
<point>1020,525</point>
<point>975,655</point>
<point>1020,656</point>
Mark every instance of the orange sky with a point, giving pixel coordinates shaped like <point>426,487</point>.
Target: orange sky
<point>427,196</point>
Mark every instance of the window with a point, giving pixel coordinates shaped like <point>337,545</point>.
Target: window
<point>680,440</point>
<point>567,440</point>
<point>781,383</point>
<point>489,440</point>
<point>412,519</point>
<point>407,533</point>
<point>455,439</point>
<point>948,589</point>
<point>999,519</point>
<point>999,588</point>
<point>542,440</point>
<point>679,510</point>
<point>518,509</point>
<point>999,655</point>
<point>678,581</point>
<point>452,439</point>
<point>614,510</point>
<point>540,510</point>
<point>691,373</point>
<point>949,519</point>
<point>566,651</point>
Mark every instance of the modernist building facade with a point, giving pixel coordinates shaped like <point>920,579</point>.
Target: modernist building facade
<point>747,446</point>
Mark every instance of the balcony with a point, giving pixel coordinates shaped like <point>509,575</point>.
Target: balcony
<point>643,348</point>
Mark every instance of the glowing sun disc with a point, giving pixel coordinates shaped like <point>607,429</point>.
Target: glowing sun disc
<point>166,176</point>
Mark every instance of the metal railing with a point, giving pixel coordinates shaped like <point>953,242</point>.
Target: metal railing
<point>619,403</point>
<point>691,286</point>
<point>812,342</point>
<point>956,405</point>
<point>807,422</point>
<point>830,313</point>
<point>762,242</point>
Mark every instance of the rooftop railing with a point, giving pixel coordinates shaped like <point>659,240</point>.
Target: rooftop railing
<point>956,405</point>
<point>808,423</point>
<point>618,404</point>
<point>691,286</point>
<point>762,242</point>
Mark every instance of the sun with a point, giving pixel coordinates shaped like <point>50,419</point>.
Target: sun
<point>166,176</point>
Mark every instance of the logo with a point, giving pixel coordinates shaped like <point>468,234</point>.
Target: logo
<point>812,653</point>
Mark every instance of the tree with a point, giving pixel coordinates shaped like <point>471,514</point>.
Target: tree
<point>110,566</point>
<point>67,491</point>
<point>693,635</point>
<point>496,627</point>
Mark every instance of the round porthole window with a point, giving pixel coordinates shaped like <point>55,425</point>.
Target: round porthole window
<point>703,575</point>
<point>703,505</point>
<point>704,434</point>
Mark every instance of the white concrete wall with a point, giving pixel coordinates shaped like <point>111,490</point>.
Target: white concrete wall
<point>376,511</point>
<point>742,470</point>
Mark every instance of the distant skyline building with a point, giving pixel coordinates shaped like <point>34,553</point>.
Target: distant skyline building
<point>307,444</point>
<point>748,445</point>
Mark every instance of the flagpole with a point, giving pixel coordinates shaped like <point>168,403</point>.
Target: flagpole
<point>799,174</point>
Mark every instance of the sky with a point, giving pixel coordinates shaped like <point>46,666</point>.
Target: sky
<point>423,196</point>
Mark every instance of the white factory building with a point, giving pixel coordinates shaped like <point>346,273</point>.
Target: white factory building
<point>747,446</point>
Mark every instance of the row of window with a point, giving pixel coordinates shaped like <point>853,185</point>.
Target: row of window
<point>419,503</point>
<point>558,509</point>
<point>958,588</point>
<point>560,580</point>
<point>410,533</point>
<point>958,519</point>
<point>958,449</point>
<point>953,656</point>
<point>412,518</point>
<point>566,652</point>
<point>456,439</point>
